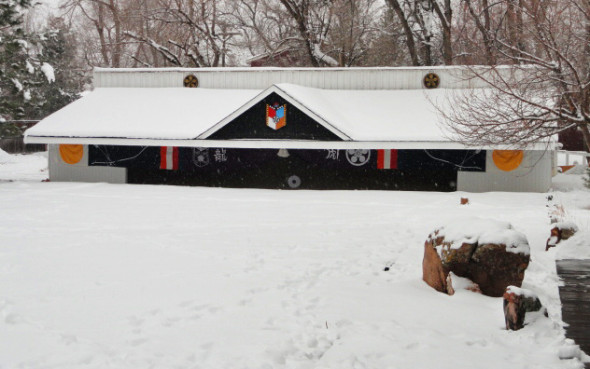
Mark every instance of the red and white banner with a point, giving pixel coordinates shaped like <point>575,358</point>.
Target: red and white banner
<point>169,158</point>
<point>386,159</point>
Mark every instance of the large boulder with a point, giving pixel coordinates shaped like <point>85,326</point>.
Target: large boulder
<point>432,269</point>
<point>490,253</point>
<point>494,268</point>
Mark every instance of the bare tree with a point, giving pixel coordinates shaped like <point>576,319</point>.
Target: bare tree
<point>425,22</point>
<point>265,32</point>
<point>190,33</point>
<point>108,18</point>
<point>314,32</point>
<point>354,30</point>
<point>549,89</point>
<point>475,30</point>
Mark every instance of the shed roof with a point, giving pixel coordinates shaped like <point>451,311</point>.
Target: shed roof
<point>131,113</point>
<point>187,117</point>
<point>194,114</point>
<point>365,108</point>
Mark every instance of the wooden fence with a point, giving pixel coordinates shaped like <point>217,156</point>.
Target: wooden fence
<point>11,137</point>
<point>574,157</point>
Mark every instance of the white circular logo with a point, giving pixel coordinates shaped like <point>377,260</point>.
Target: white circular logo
<point>200,156</point>
<point>358,157</point>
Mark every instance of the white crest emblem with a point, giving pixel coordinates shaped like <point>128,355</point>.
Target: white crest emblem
<point>201,156</point>
<point>358,157</point>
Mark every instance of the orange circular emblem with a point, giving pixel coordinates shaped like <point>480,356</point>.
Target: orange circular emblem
<point>507,160</point>
<point>71,154</point>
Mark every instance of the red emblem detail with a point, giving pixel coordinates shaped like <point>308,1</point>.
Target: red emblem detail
<point>169,158</point>
<point>276,116</point>
<point>387,159</point>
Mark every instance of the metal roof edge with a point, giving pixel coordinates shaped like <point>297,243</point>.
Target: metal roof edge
<point>294,69</point>
<point>274,144</point>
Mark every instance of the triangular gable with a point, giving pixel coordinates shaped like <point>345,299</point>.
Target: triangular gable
<point>274,115</point>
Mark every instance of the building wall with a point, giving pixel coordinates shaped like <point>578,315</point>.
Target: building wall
<point>262,78</point>
<point>533,175</point>
<point>59,171</point>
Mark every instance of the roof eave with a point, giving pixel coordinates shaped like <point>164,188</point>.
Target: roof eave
<point>274,144</point>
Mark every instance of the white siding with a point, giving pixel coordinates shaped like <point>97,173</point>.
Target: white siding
<point>533,175</point>
<point>261,78</point>
<point>81,172</point>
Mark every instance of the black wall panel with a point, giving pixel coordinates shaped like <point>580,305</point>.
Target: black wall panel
<point>314,169</point>
<point>252,125</point>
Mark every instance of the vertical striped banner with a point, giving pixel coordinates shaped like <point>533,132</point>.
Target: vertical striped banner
<point>169,158</point>
<point>387,159</point>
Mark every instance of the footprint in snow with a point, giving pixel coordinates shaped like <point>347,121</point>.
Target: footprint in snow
<point>68,339</point>
<point>138,342</point>
<point>169,322</point>
<point>13,319</point>
<point>135,321</point>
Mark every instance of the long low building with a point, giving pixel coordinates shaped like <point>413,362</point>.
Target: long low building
<point>349,128</point>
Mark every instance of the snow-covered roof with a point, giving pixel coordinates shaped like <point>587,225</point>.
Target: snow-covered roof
<point>362,115</point>
<point>163,113</point>
<point>188,116</point>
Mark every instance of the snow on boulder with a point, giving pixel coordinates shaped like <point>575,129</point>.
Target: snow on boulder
<point>478,230</point>
<point>560,231</point>
<point>455,283</point>
<point>488,252</point>
<point>518,302</point>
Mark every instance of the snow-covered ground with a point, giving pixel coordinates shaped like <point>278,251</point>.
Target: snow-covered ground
<point>124,276</point>
<point>32,167</point>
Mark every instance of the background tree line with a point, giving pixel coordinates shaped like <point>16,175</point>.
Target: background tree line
<point>345,33</point>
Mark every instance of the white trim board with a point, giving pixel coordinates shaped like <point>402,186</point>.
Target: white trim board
<point>276,144</point>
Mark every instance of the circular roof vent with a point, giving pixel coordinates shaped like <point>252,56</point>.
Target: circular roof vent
<point>191,81</point>
<point>431,80</point>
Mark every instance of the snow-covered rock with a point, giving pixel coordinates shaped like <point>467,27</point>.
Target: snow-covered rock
<point>517,303</point>
<point>490,253</point>
<point>484,231</point>
<point>561,231</point>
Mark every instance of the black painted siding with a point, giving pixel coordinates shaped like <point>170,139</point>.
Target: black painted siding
<point>252,125</point>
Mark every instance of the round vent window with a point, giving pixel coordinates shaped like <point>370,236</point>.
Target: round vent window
<point>191,81</point>
<point>431,80</point>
